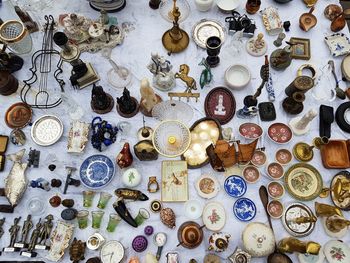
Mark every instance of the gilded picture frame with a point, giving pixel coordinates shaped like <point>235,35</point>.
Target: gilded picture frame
<point>300,48</point>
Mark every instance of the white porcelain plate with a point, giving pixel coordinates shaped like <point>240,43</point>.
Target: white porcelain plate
<point>214,216</point>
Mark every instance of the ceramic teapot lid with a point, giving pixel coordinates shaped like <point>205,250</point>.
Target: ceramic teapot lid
<point>190,234</point>
<point>258,239</point>
<point>336,251</point>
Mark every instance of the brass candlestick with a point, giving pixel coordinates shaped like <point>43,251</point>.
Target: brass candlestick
<point>175,39</point>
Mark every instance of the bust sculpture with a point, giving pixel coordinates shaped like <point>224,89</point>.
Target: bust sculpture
<point>127,106</point>
<point>101,102</point>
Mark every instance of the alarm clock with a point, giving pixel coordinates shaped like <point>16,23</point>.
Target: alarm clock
<point>112,252</point>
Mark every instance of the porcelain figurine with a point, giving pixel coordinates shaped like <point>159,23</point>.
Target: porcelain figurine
<point>291,245</point>
<point>163,77</point>
<point>127,106</point>
<point>148,98</point>
<point>124,158</point>
<point>16,181</point>
<point>257,46</point>
<point>78,137</point>
<point>218,242</point>
<point>77,250</point>
<point>101,102</point>
<point>301,125</point>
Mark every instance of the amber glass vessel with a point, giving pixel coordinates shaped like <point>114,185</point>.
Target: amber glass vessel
<point>252,6</point>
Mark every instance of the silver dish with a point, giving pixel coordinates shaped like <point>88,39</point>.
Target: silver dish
<point>207,28</point>
<point>47,130</point>
<point>293,211</point>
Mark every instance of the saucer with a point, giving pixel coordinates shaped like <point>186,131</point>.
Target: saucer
<point>193,209</point>
<point>244,209</point>
<point>235,186</point>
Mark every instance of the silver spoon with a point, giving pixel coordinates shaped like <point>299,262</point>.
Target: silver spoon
<point>340,93</point>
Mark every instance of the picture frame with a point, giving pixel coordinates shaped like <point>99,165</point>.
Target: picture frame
<point>301,48</point>
<point>174,184</point>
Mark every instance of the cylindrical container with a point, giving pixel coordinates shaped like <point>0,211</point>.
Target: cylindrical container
<point>16,36</point>
<point>142,216</point>
<point>104,198</point>
<point>213,46</point>
<point>114,220</point>
<point>97,219</point>
<point>88,197</point>
<point>252,6</point>
<point>203,5</point>
<point>82,217</point>
<point>300,83</point>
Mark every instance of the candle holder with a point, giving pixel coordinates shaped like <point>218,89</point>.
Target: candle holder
<point>213,46</point>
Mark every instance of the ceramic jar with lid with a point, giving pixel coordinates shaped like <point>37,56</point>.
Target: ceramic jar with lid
<point>203,5</point>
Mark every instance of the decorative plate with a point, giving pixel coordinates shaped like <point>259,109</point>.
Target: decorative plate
<point>343,176</point>
<point>171,138</point>
<point>214,216</point>
<point>47,130</point>
<point>235,186</point>
<point>259,158</point>
<point>294,211</point>
<point>18,115</point>
<point>303,182</point>
<point>258,239</point>
<point>220,104</point>
<point>280,133</point>
<point>207,186</point>
<point>96,171</point>
<point>244,209</point>
<point>336,251</point>
<point>275,209</point>
<point>173,110</point>
<point>283,156</point>
<point>251,174</point>
<point>308,258</point>
<point>338,44</point>
<point>250,130</point>
<point>207,28</point>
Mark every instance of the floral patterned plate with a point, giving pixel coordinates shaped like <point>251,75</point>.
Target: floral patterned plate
<point>303,182</point>
<point>250,130</point>
<point>214,216</point>
<point>336,252</point>
<point>244,209</point>
<point>280,133</point>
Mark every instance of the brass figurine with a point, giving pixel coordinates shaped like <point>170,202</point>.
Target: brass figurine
<point>127,193</point>
<point>175,39</point>
<point>46,230</point>
<point>304,219</point>
<point>336,223</point>
<point>290,245</point>
<point>27,226</point>
<point>14,229</point>
<point>34,237</point>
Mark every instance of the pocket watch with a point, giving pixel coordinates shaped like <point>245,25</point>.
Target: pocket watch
<point>112,252</point>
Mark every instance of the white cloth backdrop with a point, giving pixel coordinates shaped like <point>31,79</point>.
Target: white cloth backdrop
<point>135,53</point>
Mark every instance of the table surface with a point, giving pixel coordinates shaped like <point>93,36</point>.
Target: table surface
<point>144,37</point>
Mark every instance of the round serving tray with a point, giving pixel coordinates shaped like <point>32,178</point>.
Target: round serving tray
<point>207,28</point>
<point>47,130</point>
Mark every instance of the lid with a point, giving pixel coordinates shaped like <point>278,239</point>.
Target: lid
<point>190,234</point>
<point>336,252</point>
<point>258,239</point>
<point>131,177</point>
<point>214,216</point>
<point>220,104</point>
<point>18,115</point>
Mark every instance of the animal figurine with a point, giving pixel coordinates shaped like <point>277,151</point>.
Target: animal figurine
<point>77,250</point>
<point>148,98</point>
<point>183,75</point>
<point>206,75</point>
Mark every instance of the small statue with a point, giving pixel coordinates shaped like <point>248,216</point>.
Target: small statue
<point>77,250</point>
<point>301,125</point>
<point>163,77</point>
<point>27,226</point>
<point>127,106</point>
<point>101,102</point>
<point>14,229</point>
<point>2,221</point>
<point>148,98</point>
<point>46,229</point>
<point>257,46</point>
<point>34,237</point>
<point>183,75</point>
<point>104,19</point>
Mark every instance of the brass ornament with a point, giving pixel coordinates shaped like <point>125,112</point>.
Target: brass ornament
<point>303,152</point>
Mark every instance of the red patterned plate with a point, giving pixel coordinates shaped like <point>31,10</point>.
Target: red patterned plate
<point>280,133</point>
<point>250,130</point>
<point>220,104</point>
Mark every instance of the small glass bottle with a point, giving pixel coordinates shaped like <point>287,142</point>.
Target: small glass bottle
<point>252,6</point>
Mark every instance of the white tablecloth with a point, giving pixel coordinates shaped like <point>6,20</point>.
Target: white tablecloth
<point>135,53</point>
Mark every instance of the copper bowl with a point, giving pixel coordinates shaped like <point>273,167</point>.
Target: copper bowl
<point>190,235</point>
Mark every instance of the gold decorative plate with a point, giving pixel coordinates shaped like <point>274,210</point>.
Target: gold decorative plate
<point>303,182</point>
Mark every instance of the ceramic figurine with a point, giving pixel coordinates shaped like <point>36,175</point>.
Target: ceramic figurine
<point>16,182</point>
<point>127,106</point>
<point>148,98</point>
<point>60,240</point>
<point>101,102</point>
<point>257,46</point>
<point>218,242</point>
<point>124,158</point>
<point>78,137</point>
<point>77,250</point>
<point>163,77</point>
<point>301,125</point>
<point>167,216</point>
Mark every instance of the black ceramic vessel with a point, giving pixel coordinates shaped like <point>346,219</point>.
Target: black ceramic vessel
<point>213,46</point>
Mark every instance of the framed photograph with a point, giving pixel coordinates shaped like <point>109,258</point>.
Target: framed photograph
<point>174,181</point>
<point>301,48</point>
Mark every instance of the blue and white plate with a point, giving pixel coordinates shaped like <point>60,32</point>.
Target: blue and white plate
<point>244,209</point>
<point>235,186</point>
<point>96,171</point>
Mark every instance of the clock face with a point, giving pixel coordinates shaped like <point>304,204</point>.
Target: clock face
<point>112,252</point>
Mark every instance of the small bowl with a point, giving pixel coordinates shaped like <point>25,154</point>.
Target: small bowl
<point>259,158</point>
<point>237,76</point>
<point>193,209</point>
<point>250,130</point>
<point>226,6</point>
<point>275,171</point>
<point>280,133</point>
<point>275,209</point>
<point>251,174</point>
<point>283,156</point>
<point>275,190</point>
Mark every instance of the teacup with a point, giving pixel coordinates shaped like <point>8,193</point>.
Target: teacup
<point>275,190</point>
<point>275,209</point>
<point>251,174</point>
<point>275,171</point>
